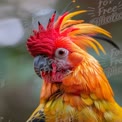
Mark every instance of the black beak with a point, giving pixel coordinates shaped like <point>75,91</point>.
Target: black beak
<point>42,64</point>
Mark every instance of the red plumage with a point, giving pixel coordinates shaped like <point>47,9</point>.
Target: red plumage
<point>45,41</point>
<point>42,42</point>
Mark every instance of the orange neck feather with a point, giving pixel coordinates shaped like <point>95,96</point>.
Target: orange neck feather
<point>88,78</point>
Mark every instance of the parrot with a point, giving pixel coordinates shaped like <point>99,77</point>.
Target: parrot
<point>75,87</point>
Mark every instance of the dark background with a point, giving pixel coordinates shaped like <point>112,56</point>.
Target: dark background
<point>19,85</point>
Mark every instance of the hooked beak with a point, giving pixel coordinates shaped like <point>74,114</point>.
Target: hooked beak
<point>42,64</point>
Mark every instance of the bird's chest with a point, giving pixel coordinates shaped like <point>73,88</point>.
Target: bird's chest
<point>78,109</point>
<point>70,109</point>
<point>60,111</point>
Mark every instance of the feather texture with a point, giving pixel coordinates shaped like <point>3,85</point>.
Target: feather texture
<point>84,94</point>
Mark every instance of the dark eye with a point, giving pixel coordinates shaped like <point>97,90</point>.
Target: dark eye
<point>61,53</point>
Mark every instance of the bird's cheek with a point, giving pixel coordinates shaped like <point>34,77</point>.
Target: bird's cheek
<point>75,58</point>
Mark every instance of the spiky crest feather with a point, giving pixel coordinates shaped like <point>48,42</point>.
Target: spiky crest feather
<point>79,33</point>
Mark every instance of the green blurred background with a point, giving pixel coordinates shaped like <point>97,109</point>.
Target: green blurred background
<point>19,85</point>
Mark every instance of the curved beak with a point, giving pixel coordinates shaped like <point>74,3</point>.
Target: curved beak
<point>42,64</point>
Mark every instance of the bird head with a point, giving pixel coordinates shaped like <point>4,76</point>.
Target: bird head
<point>59,51</point>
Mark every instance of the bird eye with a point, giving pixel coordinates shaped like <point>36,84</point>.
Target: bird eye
<point>61,53</point>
